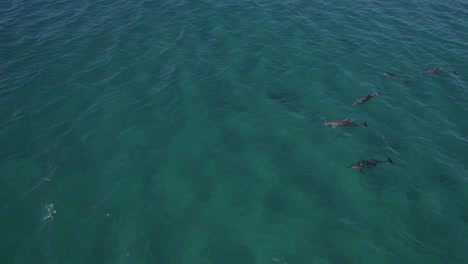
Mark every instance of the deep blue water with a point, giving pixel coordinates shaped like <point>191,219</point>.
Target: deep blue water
<point>192,132</point>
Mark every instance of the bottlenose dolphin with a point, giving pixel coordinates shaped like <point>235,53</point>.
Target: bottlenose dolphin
<point>437,70</point>
<point>394,76</point>
<point>366,164</point>
<point>344,122</point>
<point>364,99</point>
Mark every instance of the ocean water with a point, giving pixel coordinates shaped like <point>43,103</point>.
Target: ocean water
<point>171,131</point>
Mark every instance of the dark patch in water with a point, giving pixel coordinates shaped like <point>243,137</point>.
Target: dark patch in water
<point>203,196</point>
<point>378,180</point>
<point>221,100</point>
<point>275,201</point>
<point>101,251</point>
<point>464,214</point>
<point>229,252</point>
<point>413,194</point>
<point>350,44</point>
<point>341,258</point>
<point>289,99</point>
<point>446,180</point>
<point>281,95</point>
<point>158,233</point>
<point>233,140</point>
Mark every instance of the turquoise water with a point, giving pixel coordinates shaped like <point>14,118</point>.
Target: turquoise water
<point>192,132</point>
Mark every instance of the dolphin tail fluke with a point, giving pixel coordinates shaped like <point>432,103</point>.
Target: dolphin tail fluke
<point>389,160</point>
<point>365,124</point>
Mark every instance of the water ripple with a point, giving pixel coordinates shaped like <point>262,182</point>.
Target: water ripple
<point>178,110</point>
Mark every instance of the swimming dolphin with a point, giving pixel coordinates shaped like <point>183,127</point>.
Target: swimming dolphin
<point>366,164</point>
<point>437,70</point>
<point>394,76</point>
<point>344,122</point>
<point>364,99</point>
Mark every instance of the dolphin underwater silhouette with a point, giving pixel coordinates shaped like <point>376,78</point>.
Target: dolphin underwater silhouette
<point>344,122</point>
<point>370,163</point>
<point>437,70</point>
<point>394,76</point>
<point>364,99</point>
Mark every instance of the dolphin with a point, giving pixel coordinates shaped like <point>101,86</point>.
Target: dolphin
<point>366,164</point>
<point>344,122</point>
<point>365,99</point>
<point>394,76</point>
<point>437,70</point>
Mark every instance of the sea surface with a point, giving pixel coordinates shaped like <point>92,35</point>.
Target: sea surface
<point>177,131</point>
